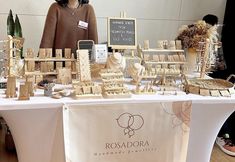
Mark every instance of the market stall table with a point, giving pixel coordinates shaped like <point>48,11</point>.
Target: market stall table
<point>37,124</point>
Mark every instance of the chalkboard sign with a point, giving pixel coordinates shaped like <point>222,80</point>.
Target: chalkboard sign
<point>122,33</point>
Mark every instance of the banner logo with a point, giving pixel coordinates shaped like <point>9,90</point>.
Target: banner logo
<point>130,123</point>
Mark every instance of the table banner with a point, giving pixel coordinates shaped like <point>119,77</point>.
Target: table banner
<point>37,132</point>
<point>151,132</point>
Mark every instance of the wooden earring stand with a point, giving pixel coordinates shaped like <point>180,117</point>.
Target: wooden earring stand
<point>11,87</point>
<point>113,84</point>
<point>85,88</point>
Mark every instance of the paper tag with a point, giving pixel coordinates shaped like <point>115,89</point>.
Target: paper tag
<point>82,24</point>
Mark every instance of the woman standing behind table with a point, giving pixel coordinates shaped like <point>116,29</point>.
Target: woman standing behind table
<point>67,22</point>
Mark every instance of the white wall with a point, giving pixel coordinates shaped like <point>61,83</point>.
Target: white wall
<point>156,19</point>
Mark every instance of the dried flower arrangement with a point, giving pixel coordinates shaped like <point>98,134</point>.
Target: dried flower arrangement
<point>192,35</point>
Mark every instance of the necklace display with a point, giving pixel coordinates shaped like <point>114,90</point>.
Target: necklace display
<point>116,61</point>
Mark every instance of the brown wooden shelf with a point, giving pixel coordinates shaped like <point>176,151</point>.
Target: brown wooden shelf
<point>44,73</point>
<point>49,59</point>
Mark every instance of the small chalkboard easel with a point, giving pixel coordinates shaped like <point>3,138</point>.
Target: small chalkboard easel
<point>122,33</point>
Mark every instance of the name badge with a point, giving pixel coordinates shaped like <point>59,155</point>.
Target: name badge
<point>82,24</point>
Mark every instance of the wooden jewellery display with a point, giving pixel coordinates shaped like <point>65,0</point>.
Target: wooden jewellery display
<point>116,61</point>
<point>163,63</point>
<point>11,87</point>
<point>11,49</point>
<point>113,84</point>
<point>26,90</point>
<point>85,88</point>
<point>137,72</point>
<point>146,89</point>
<point>204,54</point>
<point>45,64</point>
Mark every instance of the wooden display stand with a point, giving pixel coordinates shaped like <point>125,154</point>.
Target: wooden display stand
<point>113,84</point>
<point>83,65</point>
<point>24,92</point>
<point>64,76</point>
<point>163,63</point>
<point>11,49</point>
<point>85,88</point>
<point>147,89</point>
<point>204,58</point>
<point>30,85</point>
<point>45,64</point>
<point>11,87</point>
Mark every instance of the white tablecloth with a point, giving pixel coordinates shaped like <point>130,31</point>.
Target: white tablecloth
<point>37,126</point>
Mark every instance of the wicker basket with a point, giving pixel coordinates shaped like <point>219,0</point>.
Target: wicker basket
<point>210,87</point>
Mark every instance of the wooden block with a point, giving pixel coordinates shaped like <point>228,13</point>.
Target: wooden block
<point>48,52</point>
<point>31,78</point>
<point>72,56</point>
<point>170,58</point>
<point>43,67</point>
<point>231,90</point>
<point>146,44</point>
<point>204,92</point>
<point>162,58</point>
<point>146,57</point>
<point>160,44</point>
<point>29,53</point>
<point>156,58</point>
<point>31,66</point>
<point>176,58</point>
<point>178,44</point>
<point>11,87</point>
<point>96,89</point>
<point>24,92</point>
<point>59,65</point>
<point>225,93</point>
<point>172,45</point>
<point>194,90</point>
<point>86,89</point>
<point>67,53</point>
<point>64,76</point>
<point>68,64</point>
<point>30,88</point>
<point>42,53</point>
<point>50,66</point>
<point>182,58</point>
<point>73,68</point>
<point>215,93</point>
<point>58,53</point>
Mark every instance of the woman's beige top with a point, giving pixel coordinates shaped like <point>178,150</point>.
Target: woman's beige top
<point>64,27</point>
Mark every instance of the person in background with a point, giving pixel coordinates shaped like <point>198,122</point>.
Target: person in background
<point>226,137</point>
<point>211,19</point>
<point>67,22</point>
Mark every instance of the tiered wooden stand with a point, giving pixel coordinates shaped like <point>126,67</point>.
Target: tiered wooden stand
<point>113,84</point>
